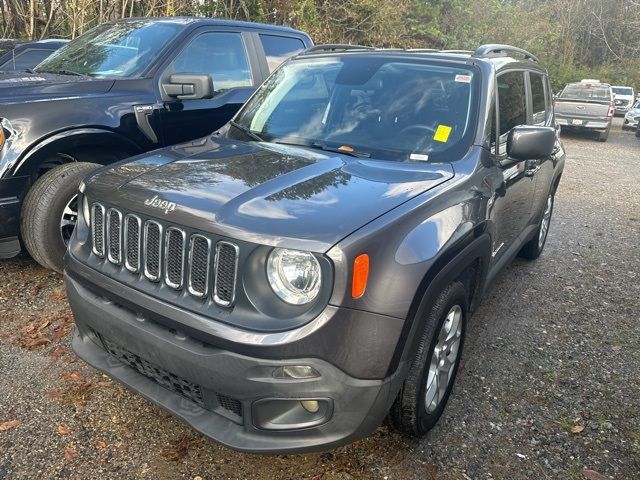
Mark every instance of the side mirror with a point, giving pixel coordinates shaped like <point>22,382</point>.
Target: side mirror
<point>189,86</point>
<point>530,143</point>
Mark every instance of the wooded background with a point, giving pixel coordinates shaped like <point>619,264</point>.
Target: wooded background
<point>574,38</point>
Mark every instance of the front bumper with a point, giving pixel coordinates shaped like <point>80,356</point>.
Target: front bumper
<point>600,124</point>
<point>224,394</point>
<point>630,123</point>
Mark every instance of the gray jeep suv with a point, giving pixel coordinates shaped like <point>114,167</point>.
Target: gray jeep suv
<point>286,283</point>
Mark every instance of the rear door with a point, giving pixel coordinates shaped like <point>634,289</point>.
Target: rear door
<point>540,170</point>
<point>511,209</point>
<point>229,57</point>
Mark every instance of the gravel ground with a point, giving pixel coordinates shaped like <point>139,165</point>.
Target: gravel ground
<point>549,387</point>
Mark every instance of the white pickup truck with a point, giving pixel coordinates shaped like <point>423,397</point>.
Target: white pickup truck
<point>586,106</point>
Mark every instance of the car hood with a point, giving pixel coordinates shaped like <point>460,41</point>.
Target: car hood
<point>263,192</point>
<point>19,87</point>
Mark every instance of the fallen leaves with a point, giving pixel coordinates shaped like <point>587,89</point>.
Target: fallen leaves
<point>592,474</point>
<point>63,430</point>
<point>9,425</point>
<point>577,428</point>
<point>101,444</point>
<point>178,450</point>
<point>69,453</point>
<point>51,329</point>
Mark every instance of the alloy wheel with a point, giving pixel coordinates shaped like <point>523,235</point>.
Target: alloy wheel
<point>68,219</point>
<point>443,360</point>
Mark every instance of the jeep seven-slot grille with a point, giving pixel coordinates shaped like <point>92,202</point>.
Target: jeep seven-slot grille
<point>167,253</point>
<point>152,250</point>
<point>114,225</point>
<point>132,243</point>
<point>97,229</point>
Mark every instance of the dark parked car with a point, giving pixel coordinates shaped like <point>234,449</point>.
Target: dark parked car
<point>286,283</point>
<point>121,89</point>
<point>26,56</point>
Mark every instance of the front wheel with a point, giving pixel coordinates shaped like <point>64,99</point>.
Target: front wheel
<point>50,212</point>
<point>426,389</point>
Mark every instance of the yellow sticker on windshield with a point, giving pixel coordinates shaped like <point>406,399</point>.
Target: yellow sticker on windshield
<point>442,133</point>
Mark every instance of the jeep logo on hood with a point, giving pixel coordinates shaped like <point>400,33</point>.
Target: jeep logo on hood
<point>156,202</point>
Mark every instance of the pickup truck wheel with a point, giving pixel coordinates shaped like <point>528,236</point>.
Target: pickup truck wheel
<point>603,136</point>
<point>50,211</point>
<point>533,248</point>
<point>426,389</point>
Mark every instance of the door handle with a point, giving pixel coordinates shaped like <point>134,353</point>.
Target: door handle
<point>531,172</point>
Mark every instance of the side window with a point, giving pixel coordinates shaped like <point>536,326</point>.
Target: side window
<point>538,98</point>
<point>278,49</point>
<point>27,59</point>
<point>220,54</point>
<point>512,102</point>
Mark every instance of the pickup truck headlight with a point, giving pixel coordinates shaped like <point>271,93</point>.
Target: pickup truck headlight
<point>294,275</point>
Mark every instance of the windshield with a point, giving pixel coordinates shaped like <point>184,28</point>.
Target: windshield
<point>392,109</point>
<point>586,92</point>
<point>623,91</point>
<point>112,50</point>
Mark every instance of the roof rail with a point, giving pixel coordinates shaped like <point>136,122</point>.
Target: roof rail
<point>425,50</point>
<point>466,52</point>
<point>334,47</point>
<point>494,49</point>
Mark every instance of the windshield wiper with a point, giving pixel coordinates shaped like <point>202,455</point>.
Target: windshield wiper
<point>247,131</point>
<point>353,153</point>
<point>63,72</point>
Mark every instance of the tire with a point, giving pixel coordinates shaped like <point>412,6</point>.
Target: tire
<point>410,412</point>
<point>533,248</point>
<point>603,136</point>
<point>42,213</point>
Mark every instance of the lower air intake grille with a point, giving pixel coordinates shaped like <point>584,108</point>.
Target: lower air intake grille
<point>230,404</point>
<point>158,374</point>
<point>225,273</point>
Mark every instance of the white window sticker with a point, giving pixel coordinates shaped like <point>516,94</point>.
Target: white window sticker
<point>419,157</point>
<point>463,78</point>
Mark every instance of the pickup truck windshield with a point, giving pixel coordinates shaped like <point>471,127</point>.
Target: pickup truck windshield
<point>112,50</point>
<point>623,91</point>
<point>586,92</point>
<point>371,106</point>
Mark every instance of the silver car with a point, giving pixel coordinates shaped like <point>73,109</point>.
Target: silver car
<point>632,117</point>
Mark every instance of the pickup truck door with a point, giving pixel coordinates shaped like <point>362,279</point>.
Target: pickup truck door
<point>510,209</point>
<point>230,58</point>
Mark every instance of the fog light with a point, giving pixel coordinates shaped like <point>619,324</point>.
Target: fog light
<point>295,371</point>
<point>311,406</point>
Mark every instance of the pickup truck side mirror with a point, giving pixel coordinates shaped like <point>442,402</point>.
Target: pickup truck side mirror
<point>189,86</point>
<point>527,142</point>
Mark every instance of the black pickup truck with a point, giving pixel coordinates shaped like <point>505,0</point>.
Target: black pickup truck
<point>121,89</point>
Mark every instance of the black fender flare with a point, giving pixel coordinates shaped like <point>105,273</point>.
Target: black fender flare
<point>76,138</point>
<point>449,266</point>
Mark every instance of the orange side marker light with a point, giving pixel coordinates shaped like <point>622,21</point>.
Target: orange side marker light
<point>360,275</point>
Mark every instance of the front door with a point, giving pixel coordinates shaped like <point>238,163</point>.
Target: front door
<point>224,56</point>
<point>511,210</point>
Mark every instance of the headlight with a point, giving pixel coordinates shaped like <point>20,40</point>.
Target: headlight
<point>294,275</point>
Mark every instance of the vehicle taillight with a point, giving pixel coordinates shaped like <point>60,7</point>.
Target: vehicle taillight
<point>612,111</point>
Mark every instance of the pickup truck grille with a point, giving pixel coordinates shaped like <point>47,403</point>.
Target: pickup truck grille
<point>165,253</point>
